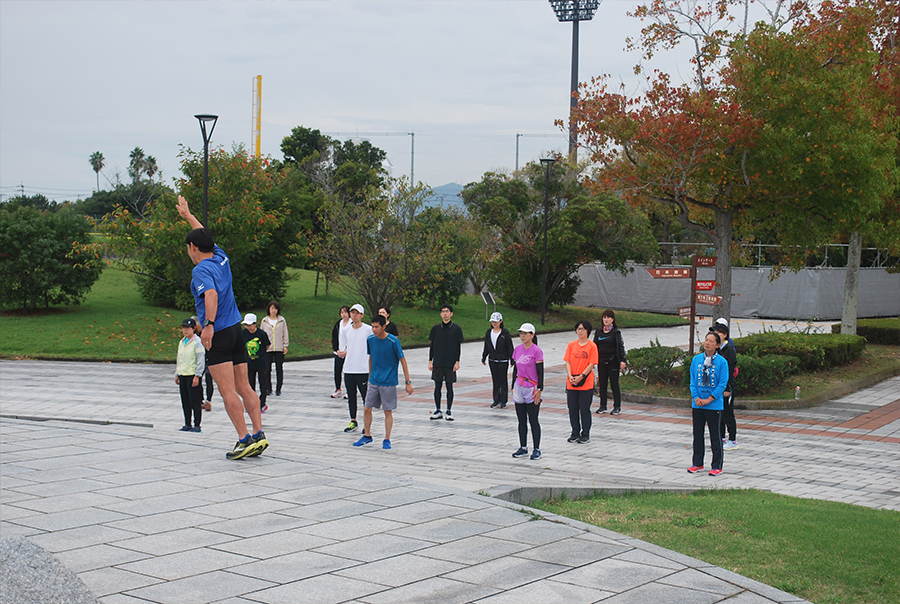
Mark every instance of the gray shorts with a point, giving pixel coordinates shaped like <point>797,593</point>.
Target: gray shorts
<point>381,397</point>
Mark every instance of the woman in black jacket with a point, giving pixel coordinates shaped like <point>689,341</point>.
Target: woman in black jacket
<point>498,349</point>
<point>611,355</point>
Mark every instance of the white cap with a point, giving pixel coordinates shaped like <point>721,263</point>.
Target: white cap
<point>527,327</point>
<point>722,322</point>
<point>358,308</point>
<point>496,317</point>
<point>249,318</point>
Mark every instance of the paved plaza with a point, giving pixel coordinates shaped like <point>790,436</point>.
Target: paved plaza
<point>97,483</point>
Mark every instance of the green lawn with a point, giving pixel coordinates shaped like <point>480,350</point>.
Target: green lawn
<point>823,551</point>
<point>115,323</point>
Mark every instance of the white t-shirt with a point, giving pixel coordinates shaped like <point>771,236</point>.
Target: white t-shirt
<point>354,342</point>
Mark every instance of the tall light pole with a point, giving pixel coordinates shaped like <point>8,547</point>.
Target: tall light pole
<point>574,11</point>
<point>546,164</point>
<point>204,118</point>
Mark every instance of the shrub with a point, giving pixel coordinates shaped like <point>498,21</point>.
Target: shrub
<point>876,331</point>
<point>763,374</point>
<point>814,351</point>
<point>656,363</point>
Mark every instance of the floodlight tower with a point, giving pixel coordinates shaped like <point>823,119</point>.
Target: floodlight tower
<point>574,11</point>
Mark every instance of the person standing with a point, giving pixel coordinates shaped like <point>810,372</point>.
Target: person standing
<point>226,354</point>
<point>275,327</point>
<point>189,367</point>
<point>443,359</point>
<point>528,386</point>
<point>709,378</point>
<point>728,422</point>
<point>356,360</point>
<point>611,360</point>
<point>580,359</point>
<point>385,352</point>
<point>342,323</point>
<point>206,401</point>
<point>257,341</point>
<point>498,349</point>
<point>390,327</point>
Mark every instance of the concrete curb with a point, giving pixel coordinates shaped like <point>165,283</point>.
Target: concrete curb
<point>97,422</point>
<point>527,495</point>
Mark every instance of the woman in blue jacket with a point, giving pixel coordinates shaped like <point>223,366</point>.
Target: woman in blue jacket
<point>709,378</point>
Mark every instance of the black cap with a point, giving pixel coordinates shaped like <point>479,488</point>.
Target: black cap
<point>189,322</point>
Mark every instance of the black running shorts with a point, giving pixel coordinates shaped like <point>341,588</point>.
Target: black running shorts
<point>227,347</point>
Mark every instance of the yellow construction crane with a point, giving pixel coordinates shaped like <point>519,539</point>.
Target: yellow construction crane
<point>257,116</point>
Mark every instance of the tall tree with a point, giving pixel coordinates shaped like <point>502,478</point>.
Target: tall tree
<point>138,164</point>
<point>97,162</point>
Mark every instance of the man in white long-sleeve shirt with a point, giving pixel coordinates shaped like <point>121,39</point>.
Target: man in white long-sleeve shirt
<point>352,346</point>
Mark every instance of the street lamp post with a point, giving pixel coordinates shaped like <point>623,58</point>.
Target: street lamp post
<point>203,119</point>
<point>546,164</point>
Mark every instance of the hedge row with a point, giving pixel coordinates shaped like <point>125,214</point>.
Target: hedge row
<point>763,374</point>
<point>814,351</point>
<point>876,331</point>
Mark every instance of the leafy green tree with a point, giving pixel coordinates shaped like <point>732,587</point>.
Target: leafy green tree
<point>46,258</point>
<point>97,162</point>
<point>38,202</point>
<point>441,249</point>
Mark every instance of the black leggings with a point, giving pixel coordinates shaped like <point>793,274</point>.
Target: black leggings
<point>528,414</point>
<point>728,421</point>
<point>354,382</point>
<point>338,370</point>
<point>278,359</point>
<point>609,370</point>
<point>190,399</point>
<point>499,372</point>
<point>437,395</point>
<point>579,403</point>
<point>209,384</point>
<point>701,418</point>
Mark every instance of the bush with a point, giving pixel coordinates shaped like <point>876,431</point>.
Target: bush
<point>763,374</point>
<point>656,363</point>
<point>814,351</point>
<point>876,331</point>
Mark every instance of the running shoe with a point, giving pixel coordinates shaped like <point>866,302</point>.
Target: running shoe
<point>536,454</point>
<point>196,429</point>
<point>503,405</point>
<point>730,445</point>
<point>386,444</point>
<point>715,472</point>
<point>437,414</point>
<point>262,444</point>
<point>572,438</point>
<point>616,411</point>
<point>695,469</point>
<point>264,409</point>
<point>364,440</point>
<point>184,429</point>
<point>583,440</point>
<point>352,426</point>
<point>521,452</point>
<point>494,405</point>
<point>337,393</point>
<point>600,410</point>
<point>447,416</point>
<point>242,449</point>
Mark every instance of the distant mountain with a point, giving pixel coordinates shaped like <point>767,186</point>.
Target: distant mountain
<point>445,195</point>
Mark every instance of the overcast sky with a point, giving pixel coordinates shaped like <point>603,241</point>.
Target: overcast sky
<point>465,76</point>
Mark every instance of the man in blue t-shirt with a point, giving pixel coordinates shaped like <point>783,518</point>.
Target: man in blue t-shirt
<point>226,354</point>
<point>384,352</point>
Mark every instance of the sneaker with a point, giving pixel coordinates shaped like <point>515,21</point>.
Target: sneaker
<point>600,410</point>
<point>386,444</point>
<point>522,452</point>
<point>352,426</point>
<point>616,411</point>
<point>264,409</point>
<point>184,429</point>
<point>494,405</point>
<point>262,443</point>
<point>572,438</point>
<point>503,405</point>
<point>337,393</point>
<point>196,429</point>
<point>346,397</point>
<point>277,393</point>
<point>447,416</point>
<point>242,449</point>
<point>583,440</point>
<point>364,440</point>
<point>715,472</point>
<point>437,414</point>
<point>730,445</point>
<point>207,405</point>
<point>536,454</point>
<point>695,469</point>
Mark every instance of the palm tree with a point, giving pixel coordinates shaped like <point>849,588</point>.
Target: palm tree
<point>137,166</point>
<point>150,166</point>
<point>97,162</point>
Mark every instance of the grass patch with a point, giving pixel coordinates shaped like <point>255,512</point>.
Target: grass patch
<point>114,323</point>
<point>823,551</point>
<point>875,358</point>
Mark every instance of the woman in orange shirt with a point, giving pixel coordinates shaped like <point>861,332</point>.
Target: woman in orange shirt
<point>580,358</point>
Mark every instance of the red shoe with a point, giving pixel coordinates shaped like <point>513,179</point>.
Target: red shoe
<point>715,472</point>
<point>695,469</point>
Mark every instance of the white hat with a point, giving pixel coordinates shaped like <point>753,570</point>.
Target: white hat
<point>358,308</point>
<point>496,317</point>
<point>249,318</point>
<point>527,328</point>
<point>722,322</point>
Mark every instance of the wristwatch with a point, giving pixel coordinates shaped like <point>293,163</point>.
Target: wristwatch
<point>208,322</point>
<point>408,382</point>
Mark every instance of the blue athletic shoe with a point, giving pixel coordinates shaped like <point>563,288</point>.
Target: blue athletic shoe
<point>364,440</point>
<point>386,444</point>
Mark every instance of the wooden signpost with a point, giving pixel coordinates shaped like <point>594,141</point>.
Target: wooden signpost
<point>696,287</point>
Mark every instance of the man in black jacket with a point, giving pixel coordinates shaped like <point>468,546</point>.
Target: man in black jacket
<point>726,349</point>
<point>443,359</point>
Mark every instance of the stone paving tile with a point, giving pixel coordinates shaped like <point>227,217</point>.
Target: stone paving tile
<point>613,575</point>
<point>506,573</point>
<point>693,579</point>
<point>59,521</point>
<point>172,542</point>
<point>419,512</point>
<point>535,533</point>
<point>436,589</point>
<point>365,550</point>
<point>474,550</point>
<point>98,556</point>
<point>207,587</point>
<point>547,592</point>
<point>333,510</point>
<point>342,529</point>
<point>60,541</point>
<point>185,563</point>
<point>294,566</point>
<point>111,580</point>
<point>275,544</point>
<point>659,592</point>
<point>573,552</point>
<point>443,530</point>
<point>400,570</point>
<point>161,523</point>
<point>323,589</point>
<point>255,525</point>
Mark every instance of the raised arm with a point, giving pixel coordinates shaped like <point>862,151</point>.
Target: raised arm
<point>185,213</point>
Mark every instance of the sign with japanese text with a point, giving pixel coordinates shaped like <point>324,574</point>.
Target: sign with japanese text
<point>670,273</point>
<point>705,260</point>
<point>708,299</point>
<point>705,286</point>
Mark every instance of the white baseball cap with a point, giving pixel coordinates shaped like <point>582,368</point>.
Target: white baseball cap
<point>496,317</point>
<point>722,322</point>
<point>527,327</point>
<point>358,308</point>
<point>249,318</point>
